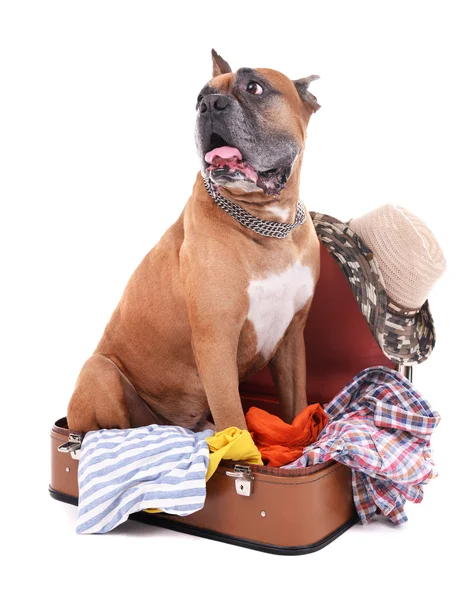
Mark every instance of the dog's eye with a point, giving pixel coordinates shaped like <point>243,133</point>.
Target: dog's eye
<point>254,88</point>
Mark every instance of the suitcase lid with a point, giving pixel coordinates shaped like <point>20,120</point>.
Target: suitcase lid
<point>339,343</point>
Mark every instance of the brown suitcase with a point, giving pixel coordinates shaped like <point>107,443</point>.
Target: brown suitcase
<point>265,508</point>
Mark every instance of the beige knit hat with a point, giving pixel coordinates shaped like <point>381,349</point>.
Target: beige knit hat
<point>409,257</point>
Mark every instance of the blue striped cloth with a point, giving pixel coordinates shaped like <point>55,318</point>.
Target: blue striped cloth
<point>122,471</point>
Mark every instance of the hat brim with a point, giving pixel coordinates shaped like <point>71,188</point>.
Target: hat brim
<point>405,337</point>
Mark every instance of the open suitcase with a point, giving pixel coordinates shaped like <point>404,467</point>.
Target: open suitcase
<point>292,511</point>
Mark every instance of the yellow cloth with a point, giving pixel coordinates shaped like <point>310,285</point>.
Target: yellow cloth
<point>230,444</point>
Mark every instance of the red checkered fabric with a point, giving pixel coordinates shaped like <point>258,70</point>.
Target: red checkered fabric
<point>380,427</point>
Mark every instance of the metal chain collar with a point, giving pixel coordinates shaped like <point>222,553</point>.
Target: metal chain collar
<point>267,228</point>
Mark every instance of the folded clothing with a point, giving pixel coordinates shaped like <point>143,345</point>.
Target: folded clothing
<point>380,427</point>
<point>279,442</point>
<point>123,471</point>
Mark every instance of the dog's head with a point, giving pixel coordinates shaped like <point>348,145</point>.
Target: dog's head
<point>251,126</point>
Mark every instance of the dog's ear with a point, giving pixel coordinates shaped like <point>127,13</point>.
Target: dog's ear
<point>220,66</point>
<point>302,85</point>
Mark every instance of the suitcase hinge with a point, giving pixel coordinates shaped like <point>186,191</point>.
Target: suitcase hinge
<point>243,479</point>
<point>73,445</point>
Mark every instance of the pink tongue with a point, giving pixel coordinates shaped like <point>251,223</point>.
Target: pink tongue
<point>223,152</point>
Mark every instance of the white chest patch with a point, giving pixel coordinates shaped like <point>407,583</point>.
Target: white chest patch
<point>274,301</point>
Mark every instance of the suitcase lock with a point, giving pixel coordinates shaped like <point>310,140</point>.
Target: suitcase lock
<point>73,445</point>
<point>243,479</point>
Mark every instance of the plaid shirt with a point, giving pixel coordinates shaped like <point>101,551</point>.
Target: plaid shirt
<point>380,427</point>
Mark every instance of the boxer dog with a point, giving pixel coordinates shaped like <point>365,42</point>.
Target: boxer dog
<point>228,287</point>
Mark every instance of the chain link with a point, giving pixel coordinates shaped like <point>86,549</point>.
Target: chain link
<point>267,228</point>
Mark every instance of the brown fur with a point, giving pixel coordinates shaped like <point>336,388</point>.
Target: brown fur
<point>179,342</point>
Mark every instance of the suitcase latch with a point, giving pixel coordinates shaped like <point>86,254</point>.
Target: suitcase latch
<point>73,445</point>
<point>243,479</point>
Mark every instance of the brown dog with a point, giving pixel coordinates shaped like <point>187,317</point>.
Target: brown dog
<point>220,295</point>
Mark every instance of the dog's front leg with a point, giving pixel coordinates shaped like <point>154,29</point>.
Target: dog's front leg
<point>216,316</point>
<point>216,357</point>
<point>288,370</point>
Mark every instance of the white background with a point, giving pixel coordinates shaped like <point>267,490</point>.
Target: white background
<point>97,160</point>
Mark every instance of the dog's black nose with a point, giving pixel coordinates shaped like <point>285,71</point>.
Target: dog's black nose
<point>214,102</point>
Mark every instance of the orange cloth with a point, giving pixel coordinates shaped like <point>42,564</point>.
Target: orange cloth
<point>280,443</point>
